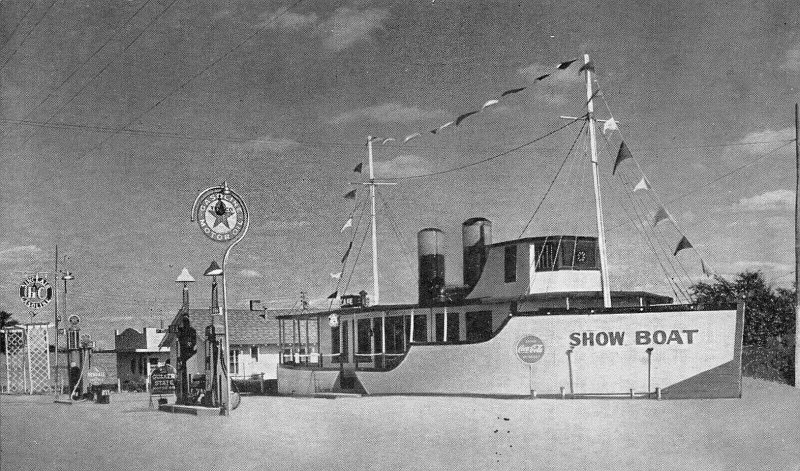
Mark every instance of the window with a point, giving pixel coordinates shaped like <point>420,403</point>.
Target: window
<point>510,263</point>
<point>452,327</point>
<point>364,336</point>
<point>394,334</point>
<point>254,352</point>
<point>420,328</point>
<point>234,367</point>
<point>586,254</point>
<point>479,326</point>
<point>133,365</point>
<point>141,365</point>
<point>546,257</point>
<point>345,356</point>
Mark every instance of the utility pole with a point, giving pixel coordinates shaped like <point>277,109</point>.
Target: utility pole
<point>797,246</point>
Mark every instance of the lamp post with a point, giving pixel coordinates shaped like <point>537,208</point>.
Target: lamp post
<point>66,276</point>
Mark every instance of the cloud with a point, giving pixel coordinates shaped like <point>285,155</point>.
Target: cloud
<point>250,273</point>
<point>742,265</point>
<point>346,26</point>
<point>777,200</point>
<point>402,166</point>
<point>771,137</point>
<point>388,113</point>
<point>792,59</point>
<point>19,251</point>
<point>553,88</point>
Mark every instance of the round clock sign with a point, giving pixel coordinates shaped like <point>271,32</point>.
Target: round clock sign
<point>220,214</point>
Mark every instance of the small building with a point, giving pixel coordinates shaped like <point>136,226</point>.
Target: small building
<point>254,343</point>
<point>138,354</point>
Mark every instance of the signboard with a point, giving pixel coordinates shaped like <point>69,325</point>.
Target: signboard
<point>220,214</point>
<point>96,376</point>
<point>530,349</point>
<point>162,381</point>
<point>35,291</point>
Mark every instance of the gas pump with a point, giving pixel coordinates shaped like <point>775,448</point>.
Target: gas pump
<point>187,341</point>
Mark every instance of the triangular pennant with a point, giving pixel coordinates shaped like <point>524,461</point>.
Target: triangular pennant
<point>623,154</point>
<point>683,244</point>
<point>333,295</point>
<point>542,77</point>
<point>388,139</point>
<point>350,195</point>
<point>373,139</point>
<point>347,252</point>
<point>610,125</point>
<point>336,276</point>
<point>661,214</point>
<point>464,116</point>
<point>359,167</point>
<point>349,223</point>
<point>587,66</point>
<point>410,136</point>
<point>490,103</point>
<point>565,64</point>
<point>263,316</point>
<point>513,90</point>
<point>642,185</point>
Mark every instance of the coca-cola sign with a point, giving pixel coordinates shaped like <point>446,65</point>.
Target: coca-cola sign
<point>529,349</point>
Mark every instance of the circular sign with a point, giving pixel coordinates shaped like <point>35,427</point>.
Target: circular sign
<point>74,320</point>
<point>529,349</point>
<point>35,291</point>
<point>220,214</point>
<point>96,376</point>
<point>333,320</point>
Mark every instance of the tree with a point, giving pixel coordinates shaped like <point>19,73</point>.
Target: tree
<point>769,321</point>
<point>5,321</point>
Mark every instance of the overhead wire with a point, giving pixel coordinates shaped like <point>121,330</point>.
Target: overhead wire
<point>27,35</point>
<point>14,30</point>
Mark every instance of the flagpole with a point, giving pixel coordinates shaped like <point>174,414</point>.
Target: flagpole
<point>601,236</point>
<point>375,288</point>
<point>797,246</point>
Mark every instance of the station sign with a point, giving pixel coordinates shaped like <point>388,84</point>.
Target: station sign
<point>162,381</point>
<point>35,291</point>
<point>220,214</point>
<point>96,375</point>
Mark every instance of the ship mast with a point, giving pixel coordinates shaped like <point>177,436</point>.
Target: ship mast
<point>375,288</point>
<point>601,233</point>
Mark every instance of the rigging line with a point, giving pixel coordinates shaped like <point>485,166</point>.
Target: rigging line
<point>395,230</point>
<point>627,184</point>
<point>353,238</point>
<point>501,154</point>
<point>705,185</point>
<point>11,35</point>
<point>645,229</point>
<point>358,255</point>
<point>25,38</point>
<point>98,74</point>
<point>580,132</point>
<point>78,67</point>
<point>307,143</point>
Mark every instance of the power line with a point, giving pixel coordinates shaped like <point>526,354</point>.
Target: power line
<point>25,38</point>
<point>10,36</point>
<point>96,51</point>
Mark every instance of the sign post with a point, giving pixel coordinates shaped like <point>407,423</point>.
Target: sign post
<point>222,216</point>
<point>162,382</point>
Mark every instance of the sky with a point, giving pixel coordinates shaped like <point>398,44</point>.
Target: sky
<point>115,115</point>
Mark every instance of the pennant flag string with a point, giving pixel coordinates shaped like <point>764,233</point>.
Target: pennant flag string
<point>347,252</point>
<point>411,136</point>
<point>542,77</point>
<point>683,244</point>
<point>661,215</point>
<point>706,271</point>
<point>587,66</point>
<point>610,125</point>
<point>449,123</point>
<point>387,140</point>
<point>512,91</point>
<point>336,276</point>
<point>350,195</point>
<point>564,65</point>
<point>623,154</point>
<point>489,103</point>
<point>347,224</point>
<point>464,116</point>
<point>333,295</point>
<point>359,167</point>
<point>642,185</point>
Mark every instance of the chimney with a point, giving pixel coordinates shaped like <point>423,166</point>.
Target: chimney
<point>430,249</point>
<point>476,234</point>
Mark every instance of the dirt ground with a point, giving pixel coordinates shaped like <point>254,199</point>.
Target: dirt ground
<point>760,431</point>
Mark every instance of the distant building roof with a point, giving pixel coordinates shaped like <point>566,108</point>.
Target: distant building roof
<point>246,327</point>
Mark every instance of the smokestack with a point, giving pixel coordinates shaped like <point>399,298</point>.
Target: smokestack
<point>476,234</point>
<point>430,248</point>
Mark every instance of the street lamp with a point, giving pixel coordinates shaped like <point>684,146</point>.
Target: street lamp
<point>66,276</point>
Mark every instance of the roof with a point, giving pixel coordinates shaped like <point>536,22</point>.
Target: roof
<point>246,327</point>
